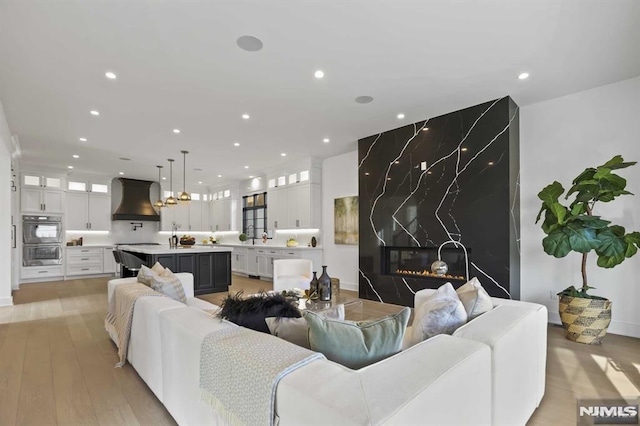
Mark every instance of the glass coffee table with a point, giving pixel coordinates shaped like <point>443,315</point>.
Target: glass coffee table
<point>316,305</point>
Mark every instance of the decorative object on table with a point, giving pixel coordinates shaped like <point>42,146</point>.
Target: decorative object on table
<point>250,312</point>
<point>586,318</point>
<point>345,219</point>
<point>265,236</point>
<point>291,242</point>
<point>213,240</point>
<point>187,240</point>
<point>335,286</point>
<point>440,268</point>
<point>313,286</point>
<point>242,237</point>
<point>314,241</point>
<point>324,285</point>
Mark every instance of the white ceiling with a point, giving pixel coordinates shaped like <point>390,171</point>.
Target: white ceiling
<point>178,66</point>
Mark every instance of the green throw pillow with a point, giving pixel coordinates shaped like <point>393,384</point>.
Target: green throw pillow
<point>357,344</point>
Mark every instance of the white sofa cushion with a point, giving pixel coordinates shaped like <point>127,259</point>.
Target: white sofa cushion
<point>169,285</point>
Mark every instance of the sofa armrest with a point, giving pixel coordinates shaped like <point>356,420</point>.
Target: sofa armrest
<point>517,336</point>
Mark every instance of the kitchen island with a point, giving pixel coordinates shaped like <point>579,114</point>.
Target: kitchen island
<point>209,264</point>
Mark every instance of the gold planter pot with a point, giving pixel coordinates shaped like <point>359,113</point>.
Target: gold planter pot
<point>585,320</point>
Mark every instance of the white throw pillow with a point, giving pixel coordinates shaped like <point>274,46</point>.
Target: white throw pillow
<point>442,313</point>
<point>474,298</point>
<point>169,285</point>
<point>145,273</point>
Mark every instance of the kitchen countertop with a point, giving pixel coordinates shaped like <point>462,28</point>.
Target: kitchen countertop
<point>268,246</point>
<point>164,249</point>
<point>91,246</point>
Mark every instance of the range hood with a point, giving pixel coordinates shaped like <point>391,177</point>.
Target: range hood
<point>135,203</point>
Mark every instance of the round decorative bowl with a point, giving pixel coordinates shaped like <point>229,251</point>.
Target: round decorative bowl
<point>187,242</point>
<point>292,244</point>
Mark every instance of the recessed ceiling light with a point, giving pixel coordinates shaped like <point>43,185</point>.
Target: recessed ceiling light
<point>83,139</point>
<point>318,74</point>
<point>283,154</point>
<point>69,167</point>
<point>236,144</point>
<point>463,149</point>
<point>219,176</point>
<point>94,112</point>
<point>325,140</point>
<point>523,76</point>
<point>249,43</point>
<point>110,75</point>
<point>176,131</point>
<point>400,116</point>
<point>121,173</point>
<point>246,116</point>
<point>364,99</point>
<point>246,167</point>
<point>76,156</point>
<point>199,182</point>
<point>425,129</point>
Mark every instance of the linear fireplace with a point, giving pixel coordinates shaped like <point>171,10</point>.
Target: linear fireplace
<point>415,262</point>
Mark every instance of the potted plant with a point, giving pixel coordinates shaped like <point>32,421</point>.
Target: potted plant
<point>242,237</point>
<point>585,318</point>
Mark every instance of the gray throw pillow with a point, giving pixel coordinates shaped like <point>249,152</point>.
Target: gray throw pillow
<point>357,344</point>
<point>296,330</point>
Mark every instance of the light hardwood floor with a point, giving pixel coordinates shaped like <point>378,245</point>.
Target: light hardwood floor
<point>57,362</point>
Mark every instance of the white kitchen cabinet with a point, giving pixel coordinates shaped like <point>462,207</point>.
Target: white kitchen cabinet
<point>239,260</point>
<point>88,211</point>
<point>41,200</point>
<point>252,262</point>
<point>195,216</point>
<point>221,215</point>
<point>37,180</point>
<point>41,272</point>
<point>109,265</point>
<point>178,214</point>
<point>294,207</point>
<point>206,216</point>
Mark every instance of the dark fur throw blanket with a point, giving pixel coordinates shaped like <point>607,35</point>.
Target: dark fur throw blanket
<point>250,312</point>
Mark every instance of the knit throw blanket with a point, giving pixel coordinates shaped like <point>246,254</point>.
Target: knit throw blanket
<point>240,370</point>
<point>120,314</point>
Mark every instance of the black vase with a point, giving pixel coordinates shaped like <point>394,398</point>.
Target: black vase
<point>324,285</point>
<point>313,285</point>
<point>314,242</point>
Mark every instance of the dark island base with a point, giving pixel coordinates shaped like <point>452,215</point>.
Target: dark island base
<point>211,271</point>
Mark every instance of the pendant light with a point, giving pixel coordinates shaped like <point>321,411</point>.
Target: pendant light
<point>159,204</point>
<point>184,196</point>
<point>170,201</point>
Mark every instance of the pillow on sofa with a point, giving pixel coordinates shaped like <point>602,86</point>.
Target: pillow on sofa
<point>474,298</point>
<point>357,344</point>
<point>296,330</point>
<point>145,273</point>
<point>169,285</point>
<point>252,311</point>
<point>442,313</point>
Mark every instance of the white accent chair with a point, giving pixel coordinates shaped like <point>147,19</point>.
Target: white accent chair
<point>291,273</point>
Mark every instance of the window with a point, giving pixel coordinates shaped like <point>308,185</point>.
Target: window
<point>304,175</point>
<point>293,178</point>
<point>77,186</point>
<point>272,183</point>
<point>282,180</point>
<point>254,215</point>
<point>195,196</point>
<point>99,187</point>
<point>32,180</point>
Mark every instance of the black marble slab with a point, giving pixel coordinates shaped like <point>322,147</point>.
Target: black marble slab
<point>452,177</point>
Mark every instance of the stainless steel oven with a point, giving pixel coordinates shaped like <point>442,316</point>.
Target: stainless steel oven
<point>41,240</point>
<point>41,254</point>
<point>41,229</point>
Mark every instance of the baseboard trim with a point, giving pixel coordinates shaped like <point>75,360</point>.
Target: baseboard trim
<point>348,286</point>
<point>6,301</point>
<point>616,327</point>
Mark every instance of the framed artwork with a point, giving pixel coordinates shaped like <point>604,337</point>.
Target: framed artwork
<point>345,220</point>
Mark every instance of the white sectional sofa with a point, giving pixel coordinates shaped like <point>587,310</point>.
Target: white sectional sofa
<point>446,380</point>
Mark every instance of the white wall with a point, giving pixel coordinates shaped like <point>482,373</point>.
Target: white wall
<point>558,140</point>
<point>5,211</point>
<point>339,179</point>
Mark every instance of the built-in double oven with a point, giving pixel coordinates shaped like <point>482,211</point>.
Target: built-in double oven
<point>41,240</point>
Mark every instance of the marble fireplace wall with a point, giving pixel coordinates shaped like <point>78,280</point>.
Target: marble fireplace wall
<point>450,177</point>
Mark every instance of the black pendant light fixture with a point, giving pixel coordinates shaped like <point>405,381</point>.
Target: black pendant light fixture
<point>170,201</point>
<point>184,196</point>
<point>159,204</point>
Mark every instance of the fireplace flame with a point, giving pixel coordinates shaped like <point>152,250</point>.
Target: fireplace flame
<point>426,273</point>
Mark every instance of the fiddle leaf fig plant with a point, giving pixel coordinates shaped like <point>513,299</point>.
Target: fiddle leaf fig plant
<point>574,227</point>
